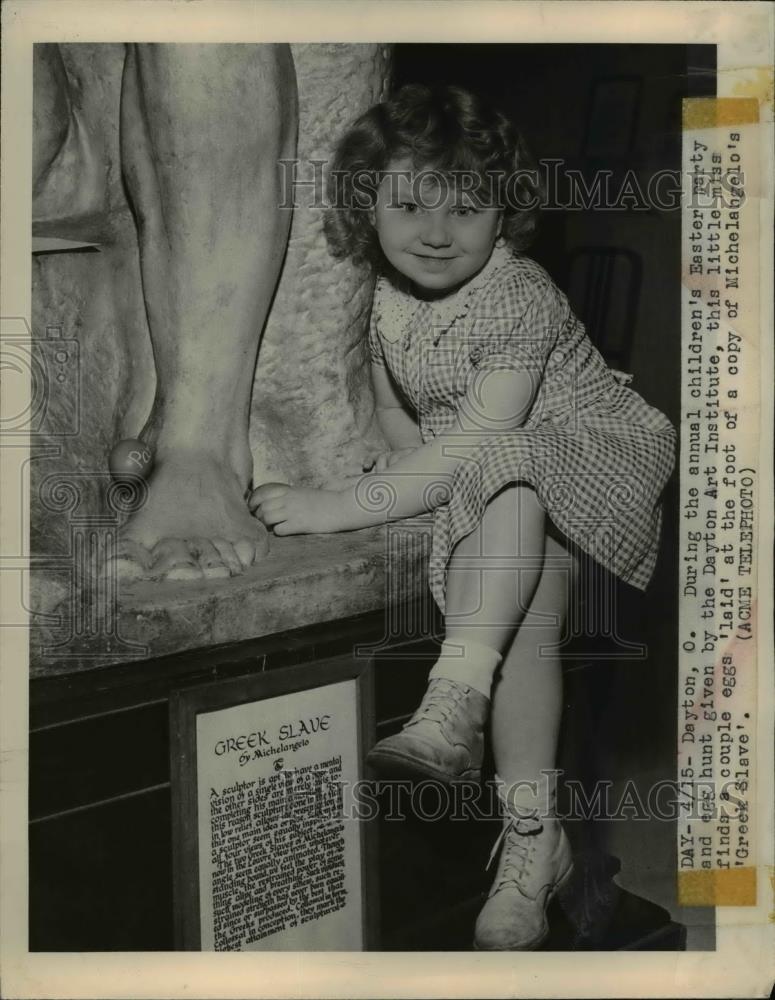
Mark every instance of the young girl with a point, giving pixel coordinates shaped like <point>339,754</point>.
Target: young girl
<point>505,421</point>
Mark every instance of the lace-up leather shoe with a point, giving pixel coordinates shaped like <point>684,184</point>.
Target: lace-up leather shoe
<point>444,739</point>
<point>535,861</point>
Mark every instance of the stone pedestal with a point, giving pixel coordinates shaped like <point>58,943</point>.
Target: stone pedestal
<point>305,580</point>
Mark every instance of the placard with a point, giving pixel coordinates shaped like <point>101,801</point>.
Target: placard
<point>268,854</point>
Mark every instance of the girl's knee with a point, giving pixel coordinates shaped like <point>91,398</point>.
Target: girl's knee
<point>519,500</point>
<point>514,522</point>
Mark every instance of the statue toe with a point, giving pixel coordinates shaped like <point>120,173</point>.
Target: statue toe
<point>173,561</point>
<point>130,561</point>
<point>210,560</point>
<point>249,549</point>
<point>229,557</point>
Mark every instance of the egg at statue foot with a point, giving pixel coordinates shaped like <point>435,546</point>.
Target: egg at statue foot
<point>130,457</point>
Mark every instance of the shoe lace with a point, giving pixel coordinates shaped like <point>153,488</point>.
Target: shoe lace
<point>515,839</point>
<point>442,701</point>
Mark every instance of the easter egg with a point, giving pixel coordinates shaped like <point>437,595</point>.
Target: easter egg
<point>130,457</point>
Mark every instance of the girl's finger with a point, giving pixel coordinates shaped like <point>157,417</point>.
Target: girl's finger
<point>273,506</point>
<point>272,517</point>
<point>382,463</point>
<point>260,515</point>
<point>266,491</point>
<point>287,528</point>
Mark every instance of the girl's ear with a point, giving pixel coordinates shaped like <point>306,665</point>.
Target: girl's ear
<point>500,226</point>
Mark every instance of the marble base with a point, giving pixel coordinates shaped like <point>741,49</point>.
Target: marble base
<point>303,580</point>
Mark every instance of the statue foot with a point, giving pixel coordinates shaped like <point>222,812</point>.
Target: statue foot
<point>194,525</point>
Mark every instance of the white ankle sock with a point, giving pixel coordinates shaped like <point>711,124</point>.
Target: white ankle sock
<point>526,798</point>
<point>470,663</point>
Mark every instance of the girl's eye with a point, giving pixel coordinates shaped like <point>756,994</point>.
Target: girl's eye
<point>464,210</point>
<point>408,206</point>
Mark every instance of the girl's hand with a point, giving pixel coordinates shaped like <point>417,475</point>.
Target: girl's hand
<point>385,459</point>
<point>295,510</point>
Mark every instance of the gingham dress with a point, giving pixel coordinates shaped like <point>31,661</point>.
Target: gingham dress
<point>595,452</point>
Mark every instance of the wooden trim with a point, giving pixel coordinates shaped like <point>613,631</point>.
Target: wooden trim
<point>66,697</point>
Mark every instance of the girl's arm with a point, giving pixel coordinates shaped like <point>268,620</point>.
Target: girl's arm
<point>394,420</point>
<point>497,401</point>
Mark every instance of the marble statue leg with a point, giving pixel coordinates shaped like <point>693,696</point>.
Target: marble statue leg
<point>50,110</point>
<point>68,173</point>
<point>202,128</point>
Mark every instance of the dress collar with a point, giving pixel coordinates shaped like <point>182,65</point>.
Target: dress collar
<point>396,308</point>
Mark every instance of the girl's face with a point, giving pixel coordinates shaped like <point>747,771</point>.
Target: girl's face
<point>431,232</point>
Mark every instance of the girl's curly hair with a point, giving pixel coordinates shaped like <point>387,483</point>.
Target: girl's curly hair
<point>443,128</point>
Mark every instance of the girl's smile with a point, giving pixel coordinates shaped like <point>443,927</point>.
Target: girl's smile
<point>434,263</point>
<point>430,232</point>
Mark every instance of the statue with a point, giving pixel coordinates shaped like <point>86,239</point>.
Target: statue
<point>207,136</point>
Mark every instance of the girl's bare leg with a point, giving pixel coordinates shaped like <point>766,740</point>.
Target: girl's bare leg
<point>534,855</point>
<point>491,581</point>
<point>492,577</point>
<point>527,696</point>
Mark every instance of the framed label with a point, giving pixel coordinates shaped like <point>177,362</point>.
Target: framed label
<point>269,851</point>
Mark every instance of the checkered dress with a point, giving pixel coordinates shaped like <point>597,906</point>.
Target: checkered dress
<point>594,451</point>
